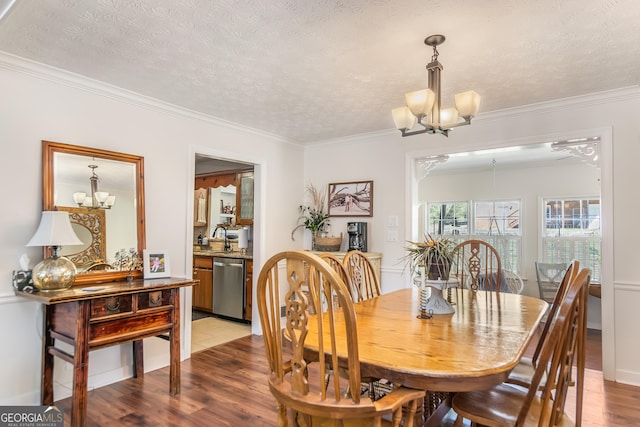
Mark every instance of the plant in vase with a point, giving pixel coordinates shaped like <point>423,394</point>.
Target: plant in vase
<point>431,259</point>
<point>313,217</point>
<point>433,255</point>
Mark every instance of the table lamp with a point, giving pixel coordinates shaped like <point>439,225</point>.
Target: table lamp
<point>56,272</point>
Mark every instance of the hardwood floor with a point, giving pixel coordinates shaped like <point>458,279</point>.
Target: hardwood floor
<point>226,386</point>
<point>221,386</point>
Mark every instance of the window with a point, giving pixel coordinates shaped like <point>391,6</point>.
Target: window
<point>495,222</point>
<point>572,217</point>
<point>571,230</point>
<point>448,218</point>
<point>497,217</point>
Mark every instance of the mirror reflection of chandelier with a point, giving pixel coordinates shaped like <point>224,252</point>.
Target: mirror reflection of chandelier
<point>97,199</point>
<point>423,106</point>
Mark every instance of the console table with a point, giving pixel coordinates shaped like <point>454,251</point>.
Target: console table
<point>100,315</point>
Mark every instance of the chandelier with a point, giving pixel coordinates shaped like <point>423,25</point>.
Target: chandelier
<point>97,199</point>
<point>423,106</point>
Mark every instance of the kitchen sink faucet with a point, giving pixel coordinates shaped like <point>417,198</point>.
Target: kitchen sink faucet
<point>227,244</point>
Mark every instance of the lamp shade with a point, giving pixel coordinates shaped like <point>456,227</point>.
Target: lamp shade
<point>79,197</point>
<point>420,102</point>
<point>101,196</point>
<point>54,230</point>
<point>448,117</point>
<point>468,103</point>
<point>403,118</point>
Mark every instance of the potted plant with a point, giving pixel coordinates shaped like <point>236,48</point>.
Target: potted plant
<point>313,217</point>
<point>433,254</point>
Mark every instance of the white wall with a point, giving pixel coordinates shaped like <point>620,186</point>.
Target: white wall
<point>39,103</point>
<point>387,158</point>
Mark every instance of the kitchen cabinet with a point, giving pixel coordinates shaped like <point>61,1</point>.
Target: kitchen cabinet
<point>248,271</point>
<point>214,180</point>
<point>244,202</point>
<point>203,292</point>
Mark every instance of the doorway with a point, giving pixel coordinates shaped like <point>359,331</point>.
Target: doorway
<point>415,215</point>
<point>210,161</point>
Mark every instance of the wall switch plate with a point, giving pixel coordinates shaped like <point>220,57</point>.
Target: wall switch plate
<point>392,221</point>
<point>392,235</point>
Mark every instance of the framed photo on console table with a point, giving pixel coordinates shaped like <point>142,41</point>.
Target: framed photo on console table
<point>156,264</point>
<point>351,198</point>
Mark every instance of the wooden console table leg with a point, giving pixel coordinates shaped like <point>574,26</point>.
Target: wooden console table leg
<point>138,359</point>
<point>174,345</point>
<point>46,387</point>
<point>81,366</point>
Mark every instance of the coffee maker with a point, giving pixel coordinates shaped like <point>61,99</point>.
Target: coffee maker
<point>357,236</point>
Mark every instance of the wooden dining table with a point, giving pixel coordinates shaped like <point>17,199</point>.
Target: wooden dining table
<point>474,348</point>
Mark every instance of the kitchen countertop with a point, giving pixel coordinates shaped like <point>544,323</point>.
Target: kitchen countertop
<point>221,254</point>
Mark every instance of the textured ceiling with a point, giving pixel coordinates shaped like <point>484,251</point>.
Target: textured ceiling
<point>314,70</point>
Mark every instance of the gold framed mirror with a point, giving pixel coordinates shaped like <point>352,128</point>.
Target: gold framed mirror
<point>104,227</point>
<point>90,226</point>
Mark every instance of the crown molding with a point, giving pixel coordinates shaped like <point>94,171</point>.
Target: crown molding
<point>66,78</point>
<point>563,104</point>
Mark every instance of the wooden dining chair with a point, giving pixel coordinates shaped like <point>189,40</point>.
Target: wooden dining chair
<point>549,276</point>
<point>362,274</point>
<point>366,284</point>
<point>337,265</point>
<point>511,405</point>
<point>524,370</point>
<point>298,386</point>
<point>354,293</point>
<point>513,281</point>
<point>477,266</point>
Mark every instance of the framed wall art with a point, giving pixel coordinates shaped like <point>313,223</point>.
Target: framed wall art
<point>351,198</point>
<point>156,264</point>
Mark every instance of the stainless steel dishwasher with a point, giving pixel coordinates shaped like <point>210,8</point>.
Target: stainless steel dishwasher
<point>228,287</point>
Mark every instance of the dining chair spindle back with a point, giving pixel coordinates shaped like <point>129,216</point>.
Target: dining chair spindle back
<point>298,386</point>
<point>362,274</point>
<point>337,265</point>
<point>477,266</point>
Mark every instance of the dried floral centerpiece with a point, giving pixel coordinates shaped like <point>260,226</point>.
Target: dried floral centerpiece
<point>128,260</point>
<point>433,255</point>
<point>313,217</point>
